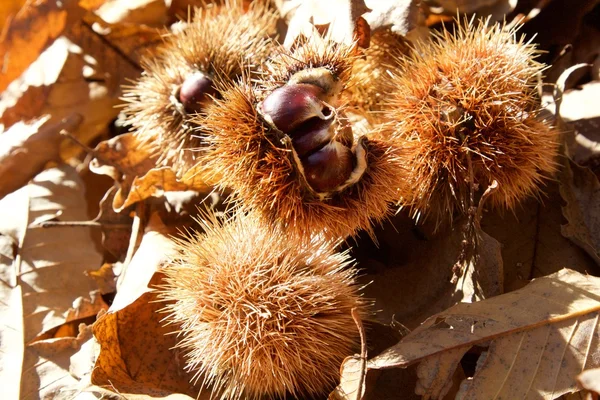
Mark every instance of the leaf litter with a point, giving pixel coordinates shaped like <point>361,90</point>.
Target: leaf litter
<point>502,298</point>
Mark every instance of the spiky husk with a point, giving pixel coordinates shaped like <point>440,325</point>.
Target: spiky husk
<point>260,314</point>
<point>367,89</point>
<point>258,163</point>
<point>470,95</point>
<point>221,42</point>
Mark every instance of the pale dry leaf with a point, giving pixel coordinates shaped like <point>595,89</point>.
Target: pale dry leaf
<point>340,16</point>
<point>147,12</point>
<point>471,6</point>
<point>33,28</point>
<point>26,147</point>
<point>134,170</point>
<point>154,251</point>
<point>590,380</point>
<point>400,16</point>
<point>580,113</point>
<point>43,271</point>
<point>541,337</point>
<point>53,357</point>
<point>436,373</point>
<point>77,74</point>
<point>580,189</point>
<point>138,353</point>
<point>532,242</point>
<point>132,40</point>
<point>351,372</point>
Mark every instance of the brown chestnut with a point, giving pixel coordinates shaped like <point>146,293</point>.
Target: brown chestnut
<point>311,135</point>
<point>291,105</point>
<point>329,167</point>
<point>194,92</point>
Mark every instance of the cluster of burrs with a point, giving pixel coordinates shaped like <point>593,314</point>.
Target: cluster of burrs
<point>315,144</point>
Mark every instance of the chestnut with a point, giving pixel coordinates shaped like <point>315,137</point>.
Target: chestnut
<point>194,92</point>
<point>291,105</point>
<point>329,167</point>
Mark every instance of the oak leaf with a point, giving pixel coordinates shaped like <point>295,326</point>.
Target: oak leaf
<point>540,338</point>
<point>43,271</point>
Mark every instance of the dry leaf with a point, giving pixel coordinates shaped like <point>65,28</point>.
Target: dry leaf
<point>106,277</point>
<point>340,16</point>
<point>155,249</point>
<point>43,271</point>
<point>470,6</point>
<point>581,191</point>
<point>541,337</point>
<point>400,16</point>
<point>132,40</point>
<point>148,12</point>
<point>134,170</point>
<point>77,74</point>
<point>137,353</point>
<point>26,148</point>
<point>116,226</point>
<point>590,380</point>
<point>33,28</point>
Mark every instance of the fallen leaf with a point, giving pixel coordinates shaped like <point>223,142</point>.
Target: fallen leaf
<point>155,249</point>
<point>400,16</point>
<point>106,278</point>
<point>581,191</point>
<point>26,148</point>
<point>541,337</point>
<point>116,226</point>
<point>340,17</point>
<point>138,353</point>
<point>134,41</point>
<point>497,9</point>
<point>33,28</point>
<point>43,272</point>
<point>52,360</point>
<point>77,74</point>
<point>147,12</point>
<point>590,380</point>
<point>134,170</point>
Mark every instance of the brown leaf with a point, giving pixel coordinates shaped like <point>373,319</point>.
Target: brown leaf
<point>26,148</point>
<point>581,191</point>
<point>116,226</point>
<point>400,16</point>
<point>106,278</point>
<point>134,169</point>
<point>147,12</point>
<point>43,271</point>
<point>77,74</point>
<point>155,249</point>
<point>138,354</point>
<point>132,40</point>
<point>590,380</point>
<point>34,27</point>
<point>541,336</point>
<point>340,17</point>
